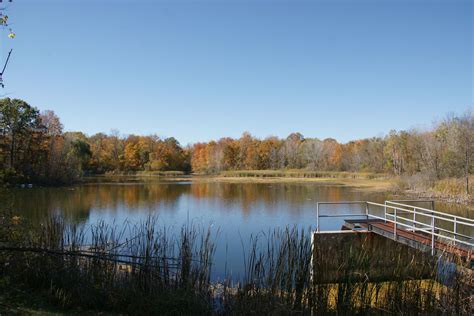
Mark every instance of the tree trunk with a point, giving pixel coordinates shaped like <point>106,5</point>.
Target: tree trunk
<point>467,183</point>
<point>12,151</point>
<point>466,170</point>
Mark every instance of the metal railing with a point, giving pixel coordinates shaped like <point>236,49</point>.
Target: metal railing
<point>413,218</point>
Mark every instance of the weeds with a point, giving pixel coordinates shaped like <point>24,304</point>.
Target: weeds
<point>375,275</point>
<point>138,269</point>
<point>301,174</point>
<point>448,189</point>
<point>143,269</point>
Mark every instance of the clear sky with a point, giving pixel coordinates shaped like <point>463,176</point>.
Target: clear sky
<point>200,70</point>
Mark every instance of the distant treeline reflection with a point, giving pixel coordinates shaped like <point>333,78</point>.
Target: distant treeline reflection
<point>77,202</point>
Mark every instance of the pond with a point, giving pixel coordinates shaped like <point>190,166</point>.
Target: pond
<point>234,211</point>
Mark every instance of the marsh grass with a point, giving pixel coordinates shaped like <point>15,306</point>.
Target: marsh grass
<point>301,173</point>
<point>281,279</point>
<point>449,189</point>
<point>139,269</point>
<point>144,269</point>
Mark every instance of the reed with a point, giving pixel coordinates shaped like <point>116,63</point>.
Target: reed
<point>139,269</point>
<point>301,173</point>
<point>142,268</point>
<point>280,278</point>
<point>146,173</point>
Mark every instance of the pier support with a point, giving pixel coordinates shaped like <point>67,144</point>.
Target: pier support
<point>357,256</point>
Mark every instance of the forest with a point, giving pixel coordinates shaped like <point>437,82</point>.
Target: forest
<point>35,149</point>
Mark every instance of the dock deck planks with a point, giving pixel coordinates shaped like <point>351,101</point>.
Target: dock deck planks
<point>415,239</point>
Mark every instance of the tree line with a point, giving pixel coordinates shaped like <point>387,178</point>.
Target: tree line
<point>33,146</point>
<point>443,151</point>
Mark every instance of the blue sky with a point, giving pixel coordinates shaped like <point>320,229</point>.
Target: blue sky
<point>200,70</point>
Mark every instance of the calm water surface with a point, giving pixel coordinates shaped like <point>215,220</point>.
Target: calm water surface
<point>234,210</point>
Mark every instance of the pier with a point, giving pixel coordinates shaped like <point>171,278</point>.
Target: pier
<point>420,228</point>
<point>389,232</point>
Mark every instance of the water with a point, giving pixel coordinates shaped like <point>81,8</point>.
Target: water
<point>235,211</point>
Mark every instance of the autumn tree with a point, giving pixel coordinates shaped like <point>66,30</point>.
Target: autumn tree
<point>292,149</point>
<point>268,153</point>
<point>167,155</point>
<point>133,157</point>
<point>18,122</point>
<point>33,147</point>
<point>230,149</point>
<point>460,134</point>
<point>53,143</point>
<point>198,159</point>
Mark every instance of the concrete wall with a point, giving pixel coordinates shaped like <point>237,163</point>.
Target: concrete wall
<point>350,256</point>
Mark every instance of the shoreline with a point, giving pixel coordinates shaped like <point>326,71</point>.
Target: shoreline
<point>372,184</point>
<point>375,184</point>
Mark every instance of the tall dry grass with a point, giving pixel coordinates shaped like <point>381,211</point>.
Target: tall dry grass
<point>449,189</point>
<point>282,279</point>
<point>138,269</point>
<point>301,173</point>
<point>143,269</point>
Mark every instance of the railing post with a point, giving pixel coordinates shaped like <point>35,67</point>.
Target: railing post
<point>367,214</point>
<point>432,234</point>
<point>414,219</point>
<point>317,217</point>
<point>311,263</point>
<point>385,211</point>
<point>455,229</point>
<point>395,223</point>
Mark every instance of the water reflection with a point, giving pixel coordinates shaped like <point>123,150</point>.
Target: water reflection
<point>77,203</point>
<point>238,210</point>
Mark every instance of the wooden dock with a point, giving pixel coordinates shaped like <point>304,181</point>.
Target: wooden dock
<point>420,228</point>
<point>416,239</point>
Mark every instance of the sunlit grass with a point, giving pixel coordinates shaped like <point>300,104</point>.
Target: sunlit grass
<point>301,174</point>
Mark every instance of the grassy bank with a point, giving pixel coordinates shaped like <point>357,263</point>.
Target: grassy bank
<point>50,267</point>
<point>450,190</point>
<point>147,173</point>
<point>301,174</point>
<point>415,186</point>
<point>368,181</point>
